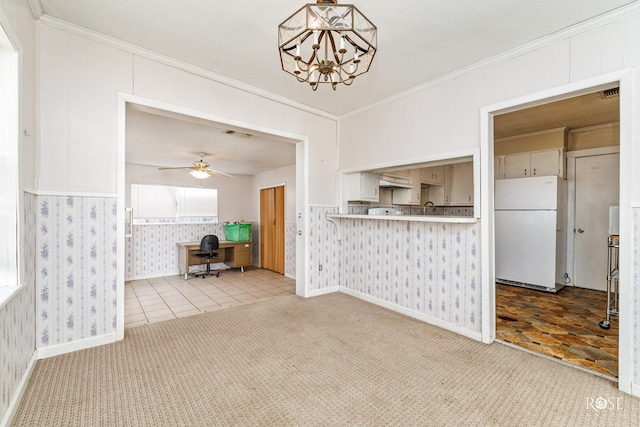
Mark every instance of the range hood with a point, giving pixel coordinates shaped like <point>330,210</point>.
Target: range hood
<point>387,181</point>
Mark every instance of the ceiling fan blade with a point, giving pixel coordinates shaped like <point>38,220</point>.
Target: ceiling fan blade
<point>181,167</point>
<point>219,173</point>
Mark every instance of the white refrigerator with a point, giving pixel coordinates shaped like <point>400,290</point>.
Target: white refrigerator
<point>531,232</point>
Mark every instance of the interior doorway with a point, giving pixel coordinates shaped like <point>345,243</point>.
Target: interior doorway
<point>565,325</point>
<point>301,143</point>
<point>272,238</point>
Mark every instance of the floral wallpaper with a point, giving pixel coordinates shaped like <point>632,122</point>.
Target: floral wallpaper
<point>152,250</point>
<point>428,267</point>
<point>290,239</point>
<point>17,318</point>
<point>323,249</point>
<point>75,267</point>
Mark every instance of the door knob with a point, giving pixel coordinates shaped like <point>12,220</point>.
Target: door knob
<point>580,230</point>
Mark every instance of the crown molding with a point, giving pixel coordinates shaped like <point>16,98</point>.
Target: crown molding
<point>172,62</point>
<point>36,8</point>
<point>550,39</point>
<point>563,34</point>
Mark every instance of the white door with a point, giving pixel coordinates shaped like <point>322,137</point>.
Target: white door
<point>597,188</point>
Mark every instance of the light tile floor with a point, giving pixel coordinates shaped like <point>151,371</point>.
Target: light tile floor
<point>164,298</point>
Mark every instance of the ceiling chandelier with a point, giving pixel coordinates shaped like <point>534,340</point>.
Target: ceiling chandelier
<point>325,42</point>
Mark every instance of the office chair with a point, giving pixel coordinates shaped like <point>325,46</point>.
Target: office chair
<point>209,243</point>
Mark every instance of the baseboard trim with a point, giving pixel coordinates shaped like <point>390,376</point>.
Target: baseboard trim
<point>56,350</point>
<point>475,335</point>
<point>635,389</point>
<point>153,276</point>
<point>323,291</point>
<point>22,387</point>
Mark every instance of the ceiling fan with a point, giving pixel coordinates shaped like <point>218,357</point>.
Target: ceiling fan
<point>200,169</point>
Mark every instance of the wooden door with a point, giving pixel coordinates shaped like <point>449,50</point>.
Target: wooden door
<point>597,179</point>
<point>272,229</point>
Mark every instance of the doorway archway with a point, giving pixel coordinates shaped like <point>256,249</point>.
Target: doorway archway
<point>302,185</point>
<point>624,80</point>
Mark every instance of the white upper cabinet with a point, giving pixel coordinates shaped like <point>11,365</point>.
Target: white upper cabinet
<point>433,175</point>
<point>517,165</point>
<point>462,184</point>
<point>536,163</point>
<point>362,186</point>
<point>546,163</point>
<point>409,196</point>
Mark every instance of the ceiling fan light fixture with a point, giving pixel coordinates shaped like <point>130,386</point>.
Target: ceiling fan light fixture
<point>200,174</point>
<point>325,42</point>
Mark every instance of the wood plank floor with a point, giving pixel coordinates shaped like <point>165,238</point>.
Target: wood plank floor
<point>564,325</point>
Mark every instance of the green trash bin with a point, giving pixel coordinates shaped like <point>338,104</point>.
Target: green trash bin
<point>237,232</point>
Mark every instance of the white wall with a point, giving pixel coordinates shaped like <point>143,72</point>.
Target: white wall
<point>444,118</point>
<point>80,83</point>
<point>285,175</point>
<point>18,316</point>
<point>167,84</point>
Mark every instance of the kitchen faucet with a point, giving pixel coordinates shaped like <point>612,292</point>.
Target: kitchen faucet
<point>424,207</point>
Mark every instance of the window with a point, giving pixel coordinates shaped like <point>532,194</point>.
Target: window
<point>162,204</point>
<point>8,167</point>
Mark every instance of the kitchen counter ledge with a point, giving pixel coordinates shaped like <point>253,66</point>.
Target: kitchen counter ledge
<point>335,219</point>
<point>417,218</point>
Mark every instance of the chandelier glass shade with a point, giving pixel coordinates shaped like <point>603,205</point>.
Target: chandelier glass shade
<point>326,42</point>
<point>199,174</point>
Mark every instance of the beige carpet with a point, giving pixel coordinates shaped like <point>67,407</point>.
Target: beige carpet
<point>326,361</point>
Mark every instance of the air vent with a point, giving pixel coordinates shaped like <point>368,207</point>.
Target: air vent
<point>229,132</point>
<point>245,135</point>
<point>610,93</point>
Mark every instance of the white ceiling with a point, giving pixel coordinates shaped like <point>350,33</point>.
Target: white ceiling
<point>418,41</point>
<point>161,138</point>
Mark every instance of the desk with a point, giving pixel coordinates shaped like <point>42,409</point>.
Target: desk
<point>234,254</point>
